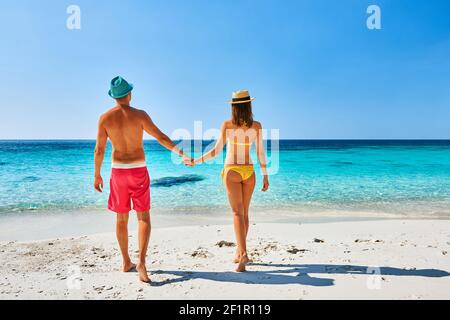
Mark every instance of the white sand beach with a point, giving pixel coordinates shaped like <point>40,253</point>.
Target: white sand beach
<point>290,261</point>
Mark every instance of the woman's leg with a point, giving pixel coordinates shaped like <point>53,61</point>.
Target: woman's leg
<point>248,186</point>
<point>233,182</point>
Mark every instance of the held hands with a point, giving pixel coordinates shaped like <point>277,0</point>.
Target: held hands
<point>98,183</point>
<point>198,161</point>
<point>188,161</point>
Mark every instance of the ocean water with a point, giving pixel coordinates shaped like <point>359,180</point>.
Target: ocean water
<point>398,178</point>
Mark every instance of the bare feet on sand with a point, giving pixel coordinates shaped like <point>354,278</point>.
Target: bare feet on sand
<point>237,258</point>
<point>143,276</point>
<point>128,266</point>
<point>242,263</point>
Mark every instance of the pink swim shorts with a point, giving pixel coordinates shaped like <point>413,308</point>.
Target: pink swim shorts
<point>129,185</point>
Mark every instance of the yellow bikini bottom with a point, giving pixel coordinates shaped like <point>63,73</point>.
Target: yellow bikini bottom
<point>245,171</point>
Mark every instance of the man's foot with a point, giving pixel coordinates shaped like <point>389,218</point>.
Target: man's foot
<point>242,263</point>
<point>143,276</point>
<point>128,266</point>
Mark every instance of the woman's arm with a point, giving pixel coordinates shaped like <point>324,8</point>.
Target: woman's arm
<point>262,157</point>
<point>220,143</point>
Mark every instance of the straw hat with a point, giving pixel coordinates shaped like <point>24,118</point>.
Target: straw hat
<point>241,96</point>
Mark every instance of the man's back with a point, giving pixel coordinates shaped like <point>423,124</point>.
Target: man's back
<point>124,127</point>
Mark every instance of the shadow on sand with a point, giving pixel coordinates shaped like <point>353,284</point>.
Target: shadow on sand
<point>295,274</point>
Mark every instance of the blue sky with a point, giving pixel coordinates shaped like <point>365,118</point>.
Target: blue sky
<point>316,70</point>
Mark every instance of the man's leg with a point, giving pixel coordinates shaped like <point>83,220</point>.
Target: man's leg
<point>144,229</point>
<point>122,238</point>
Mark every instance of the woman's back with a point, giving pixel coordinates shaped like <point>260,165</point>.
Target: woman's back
<point>239,141</point>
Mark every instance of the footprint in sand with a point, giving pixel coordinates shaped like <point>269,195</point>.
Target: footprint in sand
<point>201,253</point>
<point>224,243</point>
<point>295,250</point>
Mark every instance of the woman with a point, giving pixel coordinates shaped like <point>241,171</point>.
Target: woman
<point>238,174</point>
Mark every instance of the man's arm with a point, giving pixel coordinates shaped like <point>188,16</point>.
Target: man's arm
<point>99,155</point>
<point>163,139</point>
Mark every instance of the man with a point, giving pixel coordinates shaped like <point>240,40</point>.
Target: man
<point>130,182</point>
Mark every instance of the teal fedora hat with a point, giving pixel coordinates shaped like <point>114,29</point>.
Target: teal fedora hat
<point>119,88</point>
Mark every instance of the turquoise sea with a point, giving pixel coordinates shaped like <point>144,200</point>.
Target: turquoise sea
<point>399,178</point>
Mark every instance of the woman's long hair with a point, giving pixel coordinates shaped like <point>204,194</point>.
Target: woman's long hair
<point>241,114</point>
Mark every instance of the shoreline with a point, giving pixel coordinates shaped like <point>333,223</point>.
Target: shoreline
<point>32,226</point>
<point>291,261</point>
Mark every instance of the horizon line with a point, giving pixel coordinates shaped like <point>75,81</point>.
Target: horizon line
<point>287,139</point>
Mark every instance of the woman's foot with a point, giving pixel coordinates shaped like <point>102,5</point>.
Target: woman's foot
<point>242,263</point>
<point>128,266</point>
<point>237,258</point>
<point>143,276</point>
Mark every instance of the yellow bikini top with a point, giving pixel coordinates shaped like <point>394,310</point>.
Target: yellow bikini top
<point>240,143</point>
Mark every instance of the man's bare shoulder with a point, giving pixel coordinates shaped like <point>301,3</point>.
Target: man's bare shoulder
<point>139,112</point>
<point>107,115</point>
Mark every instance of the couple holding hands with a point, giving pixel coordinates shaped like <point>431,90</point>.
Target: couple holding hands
<point>130,181</point>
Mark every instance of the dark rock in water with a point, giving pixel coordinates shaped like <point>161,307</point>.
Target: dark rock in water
<point>30,179</point>
<point>318,240</point>
<point>341,164</point>
<point>174,181</point>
